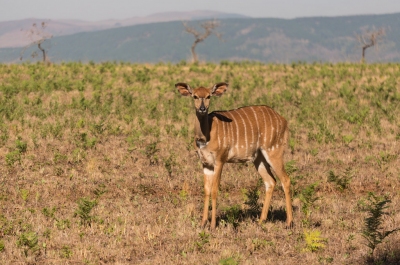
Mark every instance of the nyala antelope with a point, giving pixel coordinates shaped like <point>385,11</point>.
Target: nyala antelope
<point>253,133</point>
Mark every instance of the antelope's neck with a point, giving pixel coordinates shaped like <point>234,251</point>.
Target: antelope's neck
<point>202,128</point>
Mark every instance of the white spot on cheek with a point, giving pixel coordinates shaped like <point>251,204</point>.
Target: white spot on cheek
<point>208,171</point>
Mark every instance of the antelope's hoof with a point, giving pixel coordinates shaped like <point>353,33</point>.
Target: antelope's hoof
<point>290,225</point>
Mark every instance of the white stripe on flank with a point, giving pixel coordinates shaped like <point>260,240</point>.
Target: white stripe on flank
<point>265,128</point>
<point>272,128</point>
<point>219,138</point>
<point>280,126</point>
<point>245,130</point>
<point>229,125</point>
<point>252,132</point>
<point>258,127</point>
<point>224,134</point>
<point>237,135</point>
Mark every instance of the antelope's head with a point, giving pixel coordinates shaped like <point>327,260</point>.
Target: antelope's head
<point>201,95</point>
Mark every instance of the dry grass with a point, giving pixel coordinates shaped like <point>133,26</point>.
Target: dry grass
<point>118,135</point>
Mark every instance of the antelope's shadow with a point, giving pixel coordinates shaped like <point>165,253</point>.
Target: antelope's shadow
<point>236,216</point>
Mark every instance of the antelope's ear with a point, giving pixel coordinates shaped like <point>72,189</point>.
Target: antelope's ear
<point>184,89</point>
<point>219,89</point>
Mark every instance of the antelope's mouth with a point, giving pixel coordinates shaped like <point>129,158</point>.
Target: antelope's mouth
<point>202,112</point>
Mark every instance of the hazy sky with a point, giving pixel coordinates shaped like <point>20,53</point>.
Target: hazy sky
<point>93,10</point>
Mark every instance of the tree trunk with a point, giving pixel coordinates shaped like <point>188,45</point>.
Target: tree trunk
<point>363,54</point>
<point>194,55</point>
<point>43,51</point>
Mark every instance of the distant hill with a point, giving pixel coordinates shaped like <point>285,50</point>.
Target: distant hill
<point>14,33</point>
<point>326,39</point>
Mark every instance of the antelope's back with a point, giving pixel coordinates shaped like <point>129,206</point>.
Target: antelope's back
<point>245,130</point>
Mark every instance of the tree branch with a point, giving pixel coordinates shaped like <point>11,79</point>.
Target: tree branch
<point>208,27</point>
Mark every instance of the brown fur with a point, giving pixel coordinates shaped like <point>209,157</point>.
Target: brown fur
<point>253,133</point>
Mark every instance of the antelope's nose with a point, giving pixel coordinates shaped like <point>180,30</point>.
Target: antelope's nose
<point>202,107</point>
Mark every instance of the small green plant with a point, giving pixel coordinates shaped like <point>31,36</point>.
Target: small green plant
<point>252,195</point>
<point>86,141</point>
<point>2,246</point>
<point>290,167</point>
<point>6,227</point>
<point>47,233</point>
<point>151,153</point>
<point>65,252</point>
<point>232,215</point>
<point>342,182</point>
<point>183,195</point>
<point>29,242</point>
<point>100,190</point>
<point>21,146</point>
<point>308,198</point>
<point>85,207</point>
<point>258,244</point>
<point>13,157</point>
<point>229,261</point>
<point>348,139</point>
<point>24,194</point>
<point>170,163</point>
<point>314,241</point>
<point>63,224</point>
<point>49,212</point>
<point>204,238</point>
<point>373,231</point>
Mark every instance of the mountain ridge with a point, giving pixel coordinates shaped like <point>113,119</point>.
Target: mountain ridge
<point>309,39</point>
<point>14,33</point>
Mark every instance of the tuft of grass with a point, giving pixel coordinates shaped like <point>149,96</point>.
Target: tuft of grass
<point>66,252</point>
<point>170,163</point>
<point>29,242</point>
<point>85,206</point>
<point>313,240</point>
<point>228,261</point>
<point>204,239</point>
<point>373,231</point>
<point>232,215</point>
<point>342,182</point>
<point>2,246</point>
<point>151,153</point>
<point>308,198</point>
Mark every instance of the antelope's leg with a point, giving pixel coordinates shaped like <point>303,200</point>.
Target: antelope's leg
<point>284,178</point>
<point>264,170</point>
<point>214,195</point>
<point>208,180</point>
<point>275,160</point>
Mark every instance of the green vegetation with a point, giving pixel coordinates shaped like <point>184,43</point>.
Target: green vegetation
<point>97,164</point>
<point>373,231</point>
<point>313,240</point>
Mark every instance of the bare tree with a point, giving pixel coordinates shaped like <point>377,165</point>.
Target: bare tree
<point>37,36</point>
<point>370,39</point>
<point>209,29</point>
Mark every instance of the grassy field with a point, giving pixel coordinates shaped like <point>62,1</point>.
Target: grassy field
<point>97,165</point>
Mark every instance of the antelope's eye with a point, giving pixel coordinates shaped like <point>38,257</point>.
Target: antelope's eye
<point>208,97</point>
<point>195,97</point>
